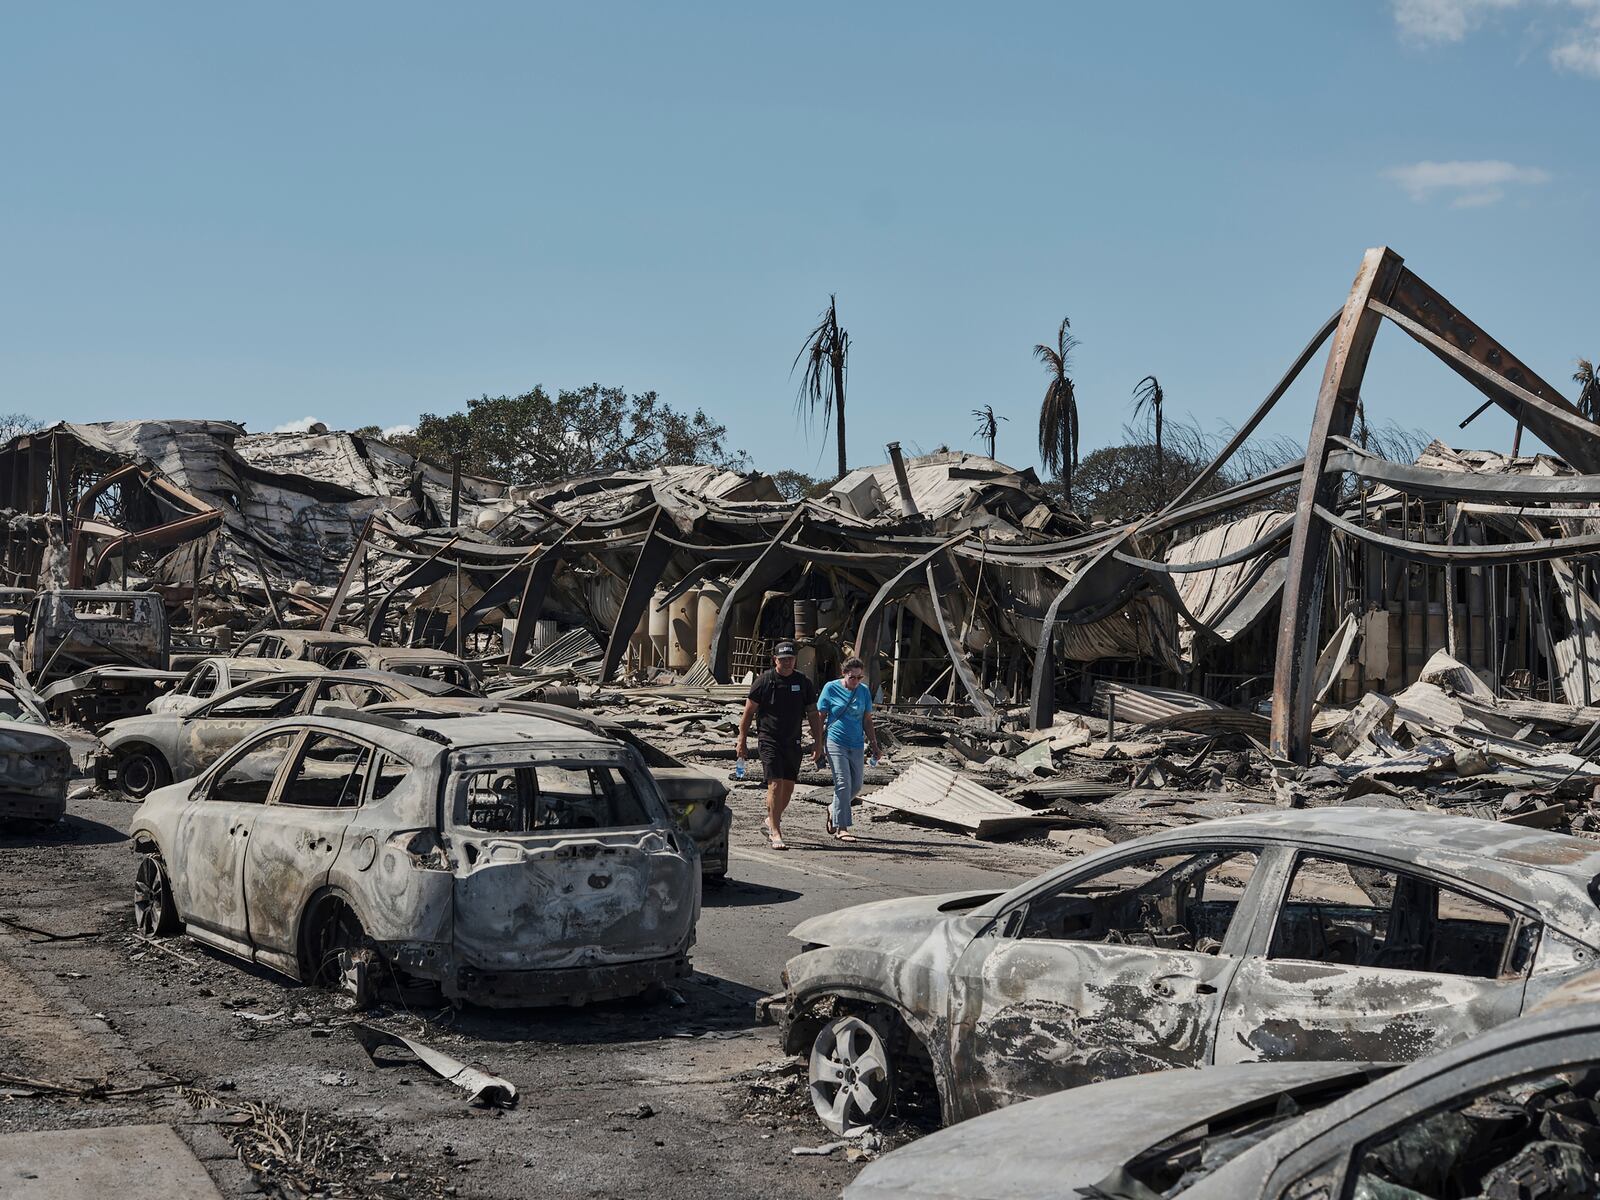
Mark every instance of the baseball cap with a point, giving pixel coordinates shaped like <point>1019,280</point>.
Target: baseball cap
<point>783,650</point>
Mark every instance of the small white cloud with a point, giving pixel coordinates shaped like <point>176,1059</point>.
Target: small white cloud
<point>1580,52</point>
<point>1443,20</point>
<point>399,431</point>
<point>1467,184</point>
<point>300,426</point>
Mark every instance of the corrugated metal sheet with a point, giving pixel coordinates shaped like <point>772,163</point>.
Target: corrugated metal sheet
<point>1213,595</point>
<point>936,793</point>
<point>1141,705</point>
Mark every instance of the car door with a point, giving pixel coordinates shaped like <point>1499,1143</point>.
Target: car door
<point>298,834</point>
<point>1363,960</point>
<point>214,834</point>
<point>218,725</point>
<point>1116,970</point>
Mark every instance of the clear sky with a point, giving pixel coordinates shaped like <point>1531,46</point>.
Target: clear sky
<point>358,212</point>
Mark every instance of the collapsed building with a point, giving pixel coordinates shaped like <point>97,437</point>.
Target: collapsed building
<point>967,586</point>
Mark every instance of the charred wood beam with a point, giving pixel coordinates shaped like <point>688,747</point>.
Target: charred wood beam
<point>654,555</point>
<point>1305,577</point>
<point>772,562</point>
<point>534,590</point>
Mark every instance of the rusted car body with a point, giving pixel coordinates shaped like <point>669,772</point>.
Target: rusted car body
<point>136,755</point>
<point>409,660</point>
<point>1336,934</point>
<point>508,860</point>
<point>210,677</point>
<point>1510,1112</point>
<point>35,763</point>
<point>95,655</point>
<point>699,801</point>
<point>312,645</point>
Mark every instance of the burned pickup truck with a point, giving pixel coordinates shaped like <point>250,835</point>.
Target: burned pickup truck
<point>505,860</point>
<point>97,655</point>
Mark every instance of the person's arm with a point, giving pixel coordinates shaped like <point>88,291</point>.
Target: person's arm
<point>819,721</point>
<point>740,748</point>
<point>872,731</point>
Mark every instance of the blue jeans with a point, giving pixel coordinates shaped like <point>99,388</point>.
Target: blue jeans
<point>846,762</point>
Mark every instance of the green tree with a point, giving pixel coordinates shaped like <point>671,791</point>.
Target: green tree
<point>826,353</point>
<point>1058,414</point>
<point>537,438</point>
<point>797,485</point>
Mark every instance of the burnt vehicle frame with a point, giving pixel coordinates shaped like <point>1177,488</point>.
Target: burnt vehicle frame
<point>366,869</point>
<point>1504,1100</point>
<point>35,762</point>
<point>697,799</point>
<point>958,992</point>
<point>138,754</point>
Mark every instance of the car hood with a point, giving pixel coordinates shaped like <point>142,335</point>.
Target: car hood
<point>888,924</point>
<point>1051,1147</point>
<point>16,737</point>
<point>120,729</point>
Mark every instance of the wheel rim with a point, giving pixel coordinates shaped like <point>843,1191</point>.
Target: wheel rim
<point>138,774</point>
<point>337,943</point>
<point>149,897</point>
<point>850,1077</point>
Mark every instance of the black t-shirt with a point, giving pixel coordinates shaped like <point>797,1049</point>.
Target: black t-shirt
<point>784,701</point>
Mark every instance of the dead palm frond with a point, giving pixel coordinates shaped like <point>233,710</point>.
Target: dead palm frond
<point>822,385</point>
<point>1588,389</point>
<point>1058,413</point>
<point>988,425</point>
<point>1148,397</point>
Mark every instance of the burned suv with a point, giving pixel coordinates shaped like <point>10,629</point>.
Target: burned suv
<point>507,860</point>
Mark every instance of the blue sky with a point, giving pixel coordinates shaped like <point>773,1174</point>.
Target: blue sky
<point>359,212</point>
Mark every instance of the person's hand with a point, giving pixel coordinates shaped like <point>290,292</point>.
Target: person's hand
<point>816,754</point>
<point>740,749</point>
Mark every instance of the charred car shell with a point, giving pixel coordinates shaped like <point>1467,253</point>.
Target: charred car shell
<point>1512,1099</point>
<point>960,989</point>
<point>445,856</point>
<point>35,763</point>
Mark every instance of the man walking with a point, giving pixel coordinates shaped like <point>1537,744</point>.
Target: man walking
<point>779,700</point>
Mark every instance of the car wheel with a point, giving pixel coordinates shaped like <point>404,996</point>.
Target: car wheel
<point>851,1076</point>
<point>153,913</point>
<point>339,954</point>
<point>140,771</point>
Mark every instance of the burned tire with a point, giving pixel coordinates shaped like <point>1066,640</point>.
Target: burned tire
<point>338,954</point>
<point>851,1076</point>
<point>153,911</point>
<point>140,771</point>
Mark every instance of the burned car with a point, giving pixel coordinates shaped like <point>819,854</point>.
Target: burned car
<point>35,763</point>
<point>698,800</point>
<point>210,677</point>
<point>1348,934</point>
<point>505,859</point>
<point>303,645</point>
<point>96,655</point>
<point>409,660</point>
<point>1514,1112</point>
<point>139,754</point>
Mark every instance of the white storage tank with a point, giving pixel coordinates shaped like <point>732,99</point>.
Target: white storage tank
<point>680,630</point>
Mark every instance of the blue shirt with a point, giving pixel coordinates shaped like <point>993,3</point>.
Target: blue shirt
<point>843,709</point>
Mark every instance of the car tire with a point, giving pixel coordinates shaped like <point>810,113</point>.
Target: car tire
<point>154,914</point>
<point>140,771</point>
<point>851,1076</point>
<point>338,953</point>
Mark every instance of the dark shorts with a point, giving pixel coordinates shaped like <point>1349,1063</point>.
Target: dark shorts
<point>780,760</point>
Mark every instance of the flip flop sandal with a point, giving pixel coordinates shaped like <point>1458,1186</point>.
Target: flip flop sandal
<point>845,836</point>
<point>830,824</point>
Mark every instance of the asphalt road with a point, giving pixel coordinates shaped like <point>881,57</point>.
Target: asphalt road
<point>677,1097</point>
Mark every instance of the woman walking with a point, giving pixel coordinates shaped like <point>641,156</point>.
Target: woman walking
<point>846,706</point>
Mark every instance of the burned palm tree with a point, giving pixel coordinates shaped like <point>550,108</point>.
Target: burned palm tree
<point>1148,397</point>
<point>1058,414</point>
<point>988,425</point>
<point>826,349</point>
<point>1588,389</point>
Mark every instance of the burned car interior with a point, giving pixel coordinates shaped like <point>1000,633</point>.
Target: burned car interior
<point>1176,902</point>
<point>549,796</point>
<point>1358,915</point>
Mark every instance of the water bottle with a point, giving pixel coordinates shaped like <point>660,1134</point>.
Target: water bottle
<point>738,769</point>
<point>873,761</point>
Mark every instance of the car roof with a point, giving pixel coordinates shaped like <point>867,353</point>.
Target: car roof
<point>415,654</point>
<point>1457,844</point>
<point>262,666</point>
<point>513,731</point>
<point>313,635</point>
